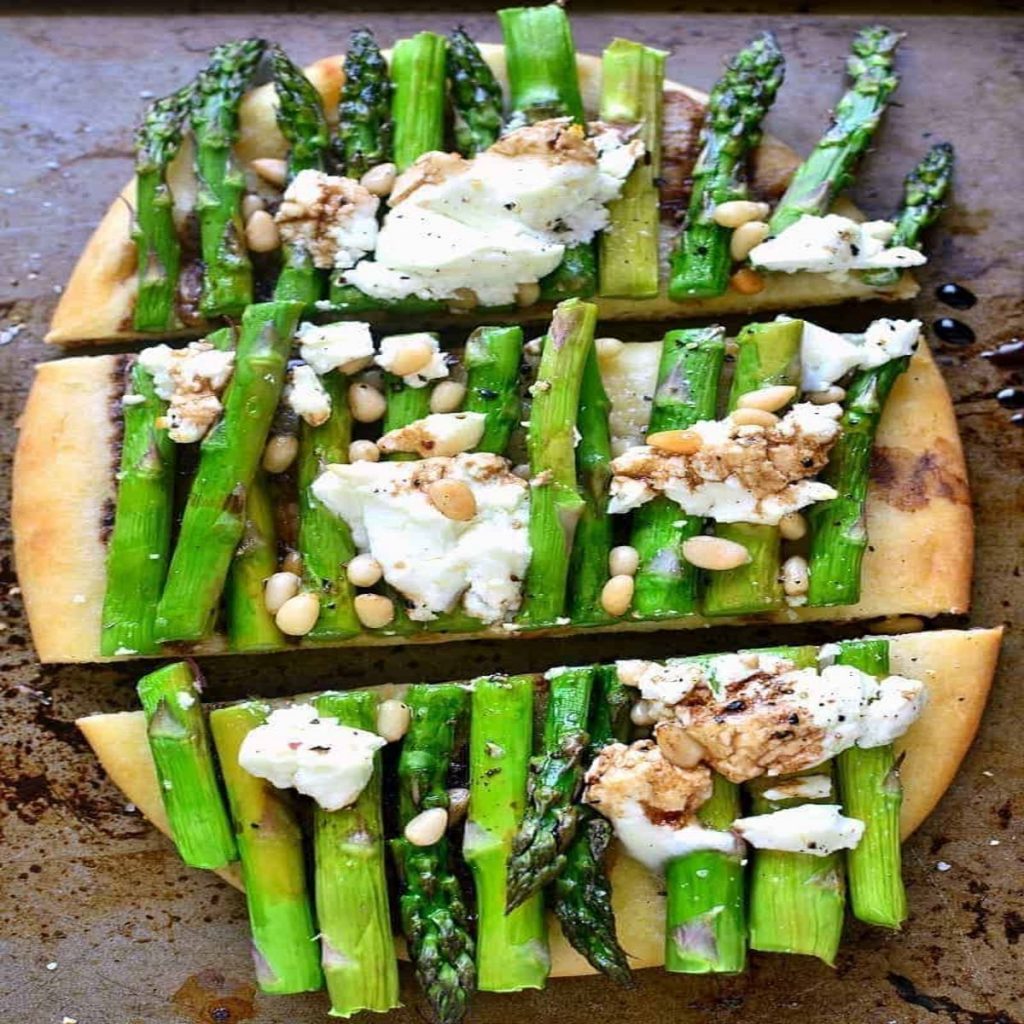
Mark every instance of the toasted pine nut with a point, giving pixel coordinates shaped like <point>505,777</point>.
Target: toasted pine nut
<point>393,719</point>
<point>715,553</point>
<point>413,356</point>
<point>769,399</point>
<point>608,348</point>
<point>897,624</point>
<point>677,746</point>
<point>298,615</point>
<point>452,498</point>
<point>363,451</point>
<point>463,299</point>
<point>380,180</point>
<point>447,396</point>
<point>261,234</point>
<point>753,418</point>
<point>292,562</point>
<point>366,403</point>
<point>458,804</point>
<point>623,560</point>
<point>364,571</point>
<point>677,442</point>
<point>828,396</point>
<point>527,293</point>
<point>640,713</point>
<point>522,471</point>
<point>374,611</point>
<point>250,204</point>
<point>746,237</point>
<point>747,281</point>
<point>739,211</point>
<point>271,170</point>
<point>795,578</point>
<point>280,452</point>
<point>617,595</point>
<point>427,827</point>
<point>279,588</point>
<point>792,526</point>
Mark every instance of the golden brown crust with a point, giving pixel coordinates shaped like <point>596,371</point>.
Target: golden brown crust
<point>957,667</point>
<point>98,300</point>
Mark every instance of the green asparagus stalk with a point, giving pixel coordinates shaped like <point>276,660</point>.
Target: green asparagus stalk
<point>325,541</point>
<point>924,190</point>
<point>433,911</point>
<point>768,354</point>
<point>139,546</point>
<point>592,542</point>
<point>732,130</point>
<point>273,867</point>
<point>227,272</point>
<point>556,774</point>
<point>180,744</point>
<point>405,405</point>
<point>156,238</point>
<point>555,501</point>
<point>214,518</point>
<point>691,362</point>
<point>632,91</point>
<point>869,785</point>
<point>417,109</point>
<point>365,128</point>
<point>839,535</point>
<point>357,947</point>
<point>491,359</point>
<point>512,949</point>
<point>348,299</point>
<point>475,94</point>
<point>830,167</point>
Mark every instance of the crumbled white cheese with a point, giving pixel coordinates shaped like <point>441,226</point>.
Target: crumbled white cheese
<point>668,682</point>
<point>296,748</point>
<point>817,829</point>
<point>306,396</point>
<point>440,433</point>
<point>432,560</point>
<point>826,356</point>
<point>132,399</point>
<point>434,370</point>
<point>654,845</point>
<point>346,346</point>
<point>833,244</point>
<point>630,378</point>
<point>806,787</point>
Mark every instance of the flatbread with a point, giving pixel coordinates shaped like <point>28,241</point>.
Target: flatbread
<point>98,301</point>
<point>956,665</point>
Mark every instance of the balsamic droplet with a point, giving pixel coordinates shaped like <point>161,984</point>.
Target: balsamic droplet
<point>1017,419</point>
<point>953,332</point>
<point>1011,398</point>
<point>1009,354</point>
<point>955,295</point>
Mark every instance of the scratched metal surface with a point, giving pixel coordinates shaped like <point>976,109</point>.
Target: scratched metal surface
<point>98,920</point>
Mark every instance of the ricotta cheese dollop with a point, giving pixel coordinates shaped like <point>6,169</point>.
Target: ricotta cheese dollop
<point>440,433</point>
<point>306,396</point>
<point>343,346</point>
<point>817,829</point>
<point>296,748</point>
<point>826,356</point>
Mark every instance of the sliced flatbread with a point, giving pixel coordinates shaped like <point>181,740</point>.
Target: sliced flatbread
<point>98,301</point>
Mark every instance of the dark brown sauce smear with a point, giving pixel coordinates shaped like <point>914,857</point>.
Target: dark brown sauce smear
<point>955,295</point>
<point>952,331</point>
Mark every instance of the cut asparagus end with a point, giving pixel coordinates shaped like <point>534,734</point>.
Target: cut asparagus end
<point>417,110</point>
<point>492,359</point>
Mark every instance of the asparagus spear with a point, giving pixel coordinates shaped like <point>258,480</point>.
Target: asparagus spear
<point>556,774</point>
<point>632,91</point>
<point>691,361</point>
<point>358,949</point>
<point>581,894</point>
<point>140,542</point>
<point>491,359</point>
<point>555,501</point>
<point>405,405</point>
<point>924,190</point>
<point>156,144</point>
<point>301,120</point>
<point>838,532</point>
<point>732,130</point>
<point>829,168</point>
<point>417,109</point>
<point>273,867</point>
<point>433,911</point>
<point>475,94</point>
<point>768,354</point>
<point>512,951</point>
<point>365,128</point>
<point>227,272</point>
<point>180,744</point>
<point>214,520</point>
<point>869,785</point>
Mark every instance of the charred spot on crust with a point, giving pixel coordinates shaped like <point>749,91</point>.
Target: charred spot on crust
<point>909,481</point>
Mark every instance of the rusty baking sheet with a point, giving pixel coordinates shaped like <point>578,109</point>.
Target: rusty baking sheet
<point>99,922</point>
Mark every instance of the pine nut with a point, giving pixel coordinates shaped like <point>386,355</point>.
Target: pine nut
<point>279,588</point>
<point>393,719</point>
<point>747,281</point>
<point>623,560</point>
<point>298,615</point>
<point>715,553</point>
<point>364,571</point>
<point>250,204</point>
<point>828,396</point>
<point>677,442</point>
<point>380,180</point>
<point>608,348</point>
<point>795,576</point>
<point>522,471</point>
<point>677,746</point>
<point>427,827</point>
<point>374,611</point>
<point>769,399</point>
<point>261,234</point>
<point>746,237</point>
<point>617,595</point>
<point>292,562</point>
<point>366,403</point>
<point>463,299</point>
<point>754,418</point>
<point>363,451</point>
<point>280,452</point>
<point>452,498</point>
<point>271,170</point>
<point>739,211</point>
<point>792,526</point>
<point>458,804</point>
<point>527,293</point>
<point>414,355</point>
<point>640,713</point>
<point>897,624</point>
<point>447,396</point>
